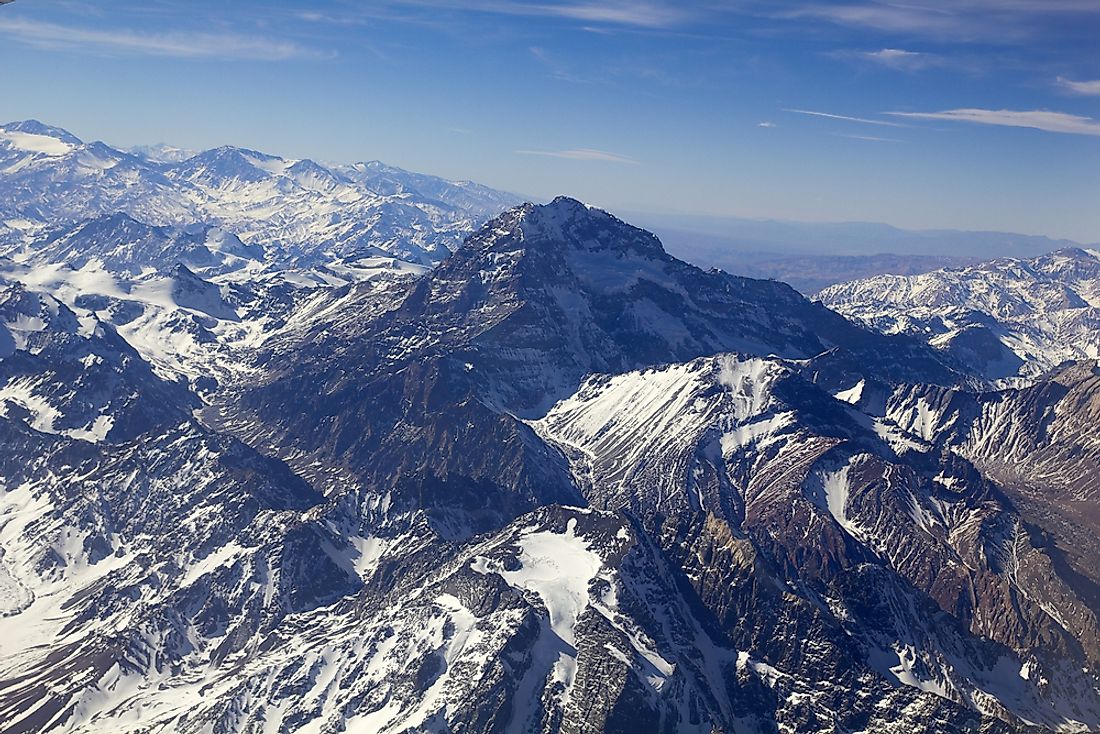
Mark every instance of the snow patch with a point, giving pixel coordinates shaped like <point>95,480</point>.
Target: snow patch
<point>33,143</point>
<point>853,394</point>
<point>558,567</point>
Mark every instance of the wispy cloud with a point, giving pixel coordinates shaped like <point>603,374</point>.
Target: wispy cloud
<point>646,14</point>
<point>315,16</point>
<point>581,154</point>
<point>998,20</point>
<point>765,123</point>
<point>883,17</point>
<point>1083,88</point>
<point>640,13</point>
<point>556,68</point>
<point>868,138</point>
<point>178,44</point>
<point>1055,122</point>
<point>846,118</point>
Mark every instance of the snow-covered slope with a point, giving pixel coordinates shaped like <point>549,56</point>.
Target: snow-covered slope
<point>1005,318</point>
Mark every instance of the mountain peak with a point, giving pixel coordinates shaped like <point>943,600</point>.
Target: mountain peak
<point>567,203</point>
<point>34,127</point>
<point>567,224</point>
<point>562,209</point>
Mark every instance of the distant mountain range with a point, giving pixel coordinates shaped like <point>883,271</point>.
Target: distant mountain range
<point>275,460</point>
<point>813,255</point>
<point>1005,318</point>
<point>298,210</point>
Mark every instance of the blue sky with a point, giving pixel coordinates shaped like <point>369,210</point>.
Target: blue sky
<point>975,114</point>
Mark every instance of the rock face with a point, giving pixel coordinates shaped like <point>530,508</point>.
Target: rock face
<point>1003,319</point>
<point>562,482</point>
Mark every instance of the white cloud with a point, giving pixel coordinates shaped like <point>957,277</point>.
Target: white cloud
<point>179,44</point>
<point>581,154</point>
<point>831,116</point>
<point>896,58</point>
<point>765,123</point>
<point>890,55</point>
<point>1084,88</point>
<point>1055,122</point>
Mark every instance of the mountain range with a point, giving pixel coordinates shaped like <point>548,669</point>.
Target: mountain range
<point>317,472</point>
<point>813,255</point>
<point>1004,319</point>
<point>299,210</point>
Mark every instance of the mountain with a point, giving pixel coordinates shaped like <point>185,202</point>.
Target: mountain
<point>69,374</point>
<point>298,210</point>
<point>108,231</point>
<point>162,153</point>
<point>1006,318</point>
<point>446,386</point>
<point>560,482</point>
<point>510,324</point>
<point>193,301</point>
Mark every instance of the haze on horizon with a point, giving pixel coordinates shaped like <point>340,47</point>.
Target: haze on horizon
<point>976,114</point>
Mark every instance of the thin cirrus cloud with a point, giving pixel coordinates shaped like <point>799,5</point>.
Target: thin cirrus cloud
<point>1054,122</point>
<point>846,118</point>
<point>998,20</point>
<point>869,138</point>
<point>1089,88</point>
<point>581,154</point>
<point>176,44</point>
<point>652,14</point>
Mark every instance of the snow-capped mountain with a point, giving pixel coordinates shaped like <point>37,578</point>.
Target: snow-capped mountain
<point>1003,319</point>
<point>297,210</point>
<point>561,482</point>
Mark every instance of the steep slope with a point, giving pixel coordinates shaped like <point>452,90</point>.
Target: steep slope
<point>132,539</point>
<point>1040,443</point>
<point>1005,318</point>
<point>913,564</point>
